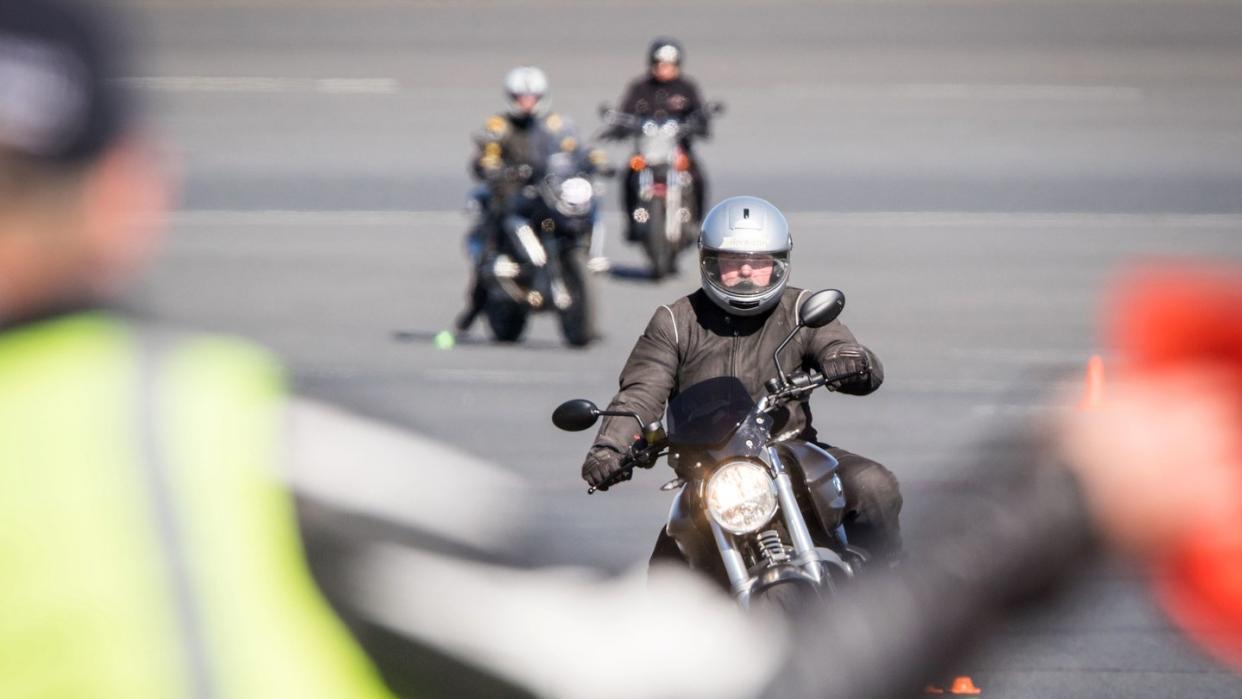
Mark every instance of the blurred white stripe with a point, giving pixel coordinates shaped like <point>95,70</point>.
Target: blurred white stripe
<point>965,91</point>
<point>569,633</point>
<point>1043,219</point>
<point>886,219</point>
<point>252,84</point>
<point>283,217</point>
<point>371,468</point>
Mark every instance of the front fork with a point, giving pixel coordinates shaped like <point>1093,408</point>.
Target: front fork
<point>807,557</point>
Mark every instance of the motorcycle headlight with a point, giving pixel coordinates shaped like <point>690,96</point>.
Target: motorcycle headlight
<point>576,191</point>
<point>741,497</point>
<point>575,196</point>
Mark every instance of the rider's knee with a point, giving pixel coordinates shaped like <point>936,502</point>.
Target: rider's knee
<point>874,484</point>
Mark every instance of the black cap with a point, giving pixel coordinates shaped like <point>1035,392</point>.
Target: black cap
<point>59,97</point>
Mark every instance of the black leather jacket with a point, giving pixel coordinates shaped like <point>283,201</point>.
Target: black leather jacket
<point>678,98</point>
<point>511,142</point>
<point>693,339</point>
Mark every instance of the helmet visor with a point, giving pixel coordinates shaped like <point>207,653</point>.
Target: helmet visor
<point>744,274</point>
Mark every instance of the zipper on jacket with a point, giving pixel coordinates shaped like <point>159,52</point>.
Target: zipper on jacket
<point>733,354</point>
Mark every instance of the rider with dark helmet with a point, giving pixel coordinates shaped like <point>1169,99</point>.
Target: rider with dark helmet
<point>732,326</point>
<point>664,92</point>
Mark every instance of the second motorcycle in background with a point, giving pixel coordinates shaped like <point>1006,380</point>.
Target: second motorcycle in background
<point>659,190</point>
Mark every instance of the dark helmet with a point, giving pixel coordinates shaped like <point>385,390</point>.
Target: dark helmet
<point>59,100</point>
<point>664,49</point>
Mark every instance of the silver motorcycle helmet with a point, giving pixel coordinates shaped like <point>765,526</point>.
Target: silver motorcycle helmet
<point>526,81</point>
<point>744,246</point>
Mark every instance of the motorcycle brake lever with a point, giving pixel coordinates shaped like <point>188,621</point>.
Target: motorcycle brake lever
<point>621,477</point>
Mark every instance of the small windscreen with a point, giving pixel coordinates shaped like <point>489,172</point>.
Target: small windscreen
<point>707,413</point>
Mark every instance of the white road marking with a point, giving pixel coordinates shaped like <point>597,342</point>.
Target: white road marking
<point>1024,356</point>
<point>1041,219</point>
<point>500,376</point>
<point>879,219</point>
<point>283,217</point>
<point>992,410</point>
<point>260,84</point>
<point>968,91</point>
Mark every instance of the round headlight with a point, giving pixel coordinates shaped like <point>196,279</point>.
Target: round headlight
<point>576,191</point>
<point>741,496</point>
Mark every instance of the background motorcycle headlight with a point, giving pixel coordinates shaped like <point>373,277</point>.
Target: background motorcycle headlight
<point>574,197</point>
<point>576,191</point>
<point>741,497</point>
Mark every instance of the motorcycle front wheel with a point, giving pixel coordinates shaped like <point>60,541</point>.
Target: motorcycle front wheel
<point>690,226</point>
<point>507,319</point>
<point>578,320</point>
<point>660,251</point>
<point>790,598</point>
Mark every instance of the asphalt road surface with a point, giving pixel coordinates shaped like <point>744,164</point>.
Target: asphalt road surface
<point>972,174</point>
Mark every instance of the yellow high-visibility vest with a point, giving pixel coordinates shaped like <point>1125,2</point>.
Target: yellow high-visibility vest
<point>147,546</point>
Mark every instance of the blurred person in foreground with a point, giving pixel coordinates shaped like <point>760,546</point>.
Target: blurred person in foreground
<point>148,547</point>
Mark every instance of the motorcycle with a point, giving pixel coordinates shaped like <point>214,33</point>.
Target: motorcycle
<point>539,263</point>
<point>758,511</point>
<point>660,202</point>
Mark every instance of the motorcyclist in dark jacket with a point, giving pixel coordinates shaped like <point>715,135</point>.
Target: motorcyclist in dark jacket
<point>731,327</point>
<point>664,92</point>
<point>510,150</point>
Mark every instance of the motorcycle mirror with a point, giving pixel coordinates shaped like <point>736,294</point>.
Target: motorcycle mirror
<point>603,109</point>
<point>821,308</point>
<point>818,310</point>
<point>575,415</point>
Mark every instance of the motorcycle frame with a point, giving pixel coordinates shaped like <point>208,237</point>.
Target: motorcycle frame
<point>543,252</point>
<point>674,181</point>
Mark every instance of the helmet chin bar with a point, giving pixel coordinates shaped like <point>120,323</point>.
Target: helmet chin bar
<point>743,307</point>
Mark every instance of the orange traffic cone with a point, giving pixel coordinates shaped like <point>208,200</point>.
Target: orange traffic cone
<point>964,685</point>
<point>1093,391</point>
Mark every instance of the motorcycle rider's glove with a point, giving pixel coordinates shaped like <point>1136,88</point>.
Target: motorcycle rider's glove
<point>602,463</point>
<point>851,362</point>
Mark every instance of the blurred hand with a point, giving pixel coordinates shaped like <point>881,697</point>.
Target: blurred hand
<point>1161,461</point>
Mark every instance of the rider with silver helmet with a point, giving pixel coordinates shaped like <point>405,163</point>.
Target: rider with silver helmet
<point>731,326</point>
<point>511,149</point>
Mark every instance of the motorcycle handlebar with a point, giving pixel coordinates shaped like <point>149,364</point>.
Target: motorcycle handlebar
<point>619,477</point>
<point>510,173</point>
<point>802,382</point>
<point>617,124</point>
<point>644,457</point>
